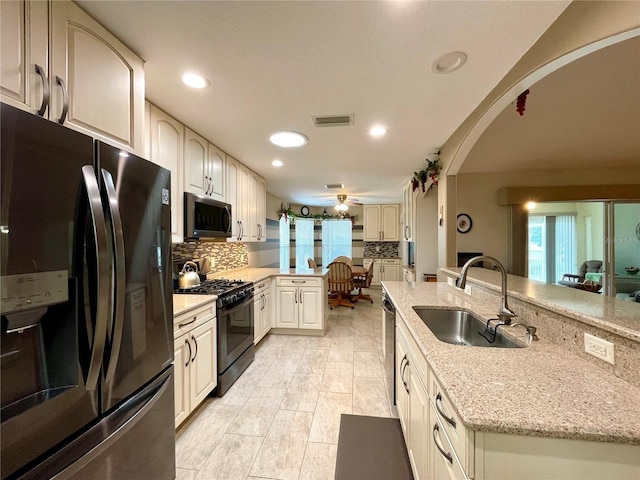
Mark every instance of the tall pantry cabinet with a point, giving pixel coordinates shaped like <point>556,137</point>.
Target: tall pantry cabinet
<point>52,72</point>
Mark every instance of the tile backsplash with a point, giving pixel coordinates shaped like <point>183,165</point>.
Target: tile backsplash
<point>224,256</point>
<point>387,249</point>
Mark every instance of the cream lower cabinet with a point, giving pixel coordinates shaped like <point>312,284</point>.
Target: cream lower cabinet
<point>195,359</point>
<point>301,303</point>
<point>261,309</point>
<point>441,447</point>
<point>384,269</point>
<point>413,404</point>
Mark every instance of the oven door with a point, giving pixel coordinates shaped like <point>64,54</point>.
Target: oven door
<point>235,331</point>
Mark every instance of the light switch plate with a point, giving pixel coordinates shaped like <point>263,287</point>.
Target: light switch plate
<point>450,281</point>
<point>467,290</point>
<point>599,348</point>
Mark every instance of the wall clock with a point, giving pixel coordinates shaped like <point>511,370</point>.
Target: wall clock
<point>304,211</point>
<point>464,223</point>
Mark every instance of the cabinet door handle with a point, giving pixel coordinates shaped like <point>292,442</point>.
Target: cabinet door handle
<point>196,343</point>
<point>449,420</point>
<point>241,230</point>
<point>382,234</point>
<point>296,296</point>
<point>446,455</point>
<point>406,360</point>
<point>300,296</point>
<point>65,100</point>
<point>406,235</point>
<point>46,92</point>
<point>298,281</point>
<point>180,325</point>
<point>186,340</point>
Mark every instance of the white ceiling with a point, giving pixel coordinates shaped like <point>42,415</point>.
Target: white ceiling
<point>274,65</point>
<point>584,115</point>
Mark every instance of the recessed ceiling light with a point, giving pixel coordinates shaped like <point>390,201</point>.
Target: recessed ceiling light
<point>277,163</point>
<point>288,139</point>
<point>449,62</point>
<point>194,80</point>
<point>377,131</point>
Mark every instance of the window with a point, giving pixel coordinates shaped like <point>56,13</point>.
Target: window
<point>304,241</point>
<point>336,239</point>
<point>552,246</point>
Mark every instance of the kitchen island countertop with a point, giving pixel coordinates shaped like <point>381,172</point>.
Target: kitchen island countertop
<point>540,390</point>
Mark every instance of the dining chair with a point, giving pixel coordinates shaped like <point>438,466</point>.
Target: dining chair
<point>311,263</point>
<point>363,281</point>
<point>340,285</point>
<point>344,259</point>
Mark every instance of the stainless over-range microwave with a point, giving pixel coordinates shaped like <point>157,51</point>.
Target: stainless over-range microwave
<point>205,217</point>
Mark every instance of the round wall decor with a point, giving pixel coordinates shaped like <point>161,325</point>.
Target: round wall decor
<point>464,223</point>
<point>304,211</point>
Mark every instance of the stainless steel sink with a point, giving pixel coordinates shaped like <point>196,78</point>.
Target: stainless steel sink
<point>460,327</point>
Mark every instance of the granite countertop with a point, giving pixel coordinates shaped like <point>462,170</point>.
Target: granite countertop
<point>251,274</point>
<point>540,390</point>
<point>607,313</point>
<point>184,302</point>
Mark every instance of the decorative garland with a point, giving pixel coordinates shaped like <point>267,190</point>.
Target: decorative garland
<point>288,213</point>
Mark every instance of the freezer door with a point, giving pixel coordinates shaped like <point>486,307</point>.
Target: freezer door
<point>135,441</point>
<point>50,368</point>
<point>140,333</point>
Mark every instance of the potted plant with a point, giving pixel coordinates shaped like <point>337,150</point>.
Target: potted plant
<point>431,172</point>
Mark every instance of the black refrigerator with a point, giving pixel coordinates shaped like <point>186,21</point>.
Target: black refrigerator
<point>87,333</point>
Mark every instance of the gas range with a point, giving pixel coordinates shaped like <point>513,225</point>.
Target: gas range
<point>228,291</point>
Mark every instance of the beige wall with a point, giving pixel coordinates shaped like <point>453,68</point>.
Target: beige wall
<point>477,196</point>
<point>581,24</point>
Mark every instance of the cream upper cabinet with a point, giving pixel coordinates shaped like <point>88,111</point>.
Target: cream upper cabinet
<point>93,83</point>
<point>214,170</point>
<point>381,223</point>
<point>203,167</point>
<point>24,47</point>
<point>246,192</point>
<point>408,218</point>
<point>195,156</point>
<point>97,83</point>
<point>166,136</point>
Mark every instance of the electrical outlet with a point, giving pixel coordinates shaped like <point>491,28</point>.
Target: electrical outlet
<point>450,281</point>
<point>599,348</point>
<point>467,290</point>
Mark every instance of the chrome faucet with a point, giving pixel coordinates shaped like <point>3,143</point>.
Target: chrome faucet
<point>531,331</point>
<point>504,314</point>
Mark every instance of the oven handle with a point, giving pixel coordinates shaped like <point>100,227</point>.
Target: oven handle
<point>230,308</point>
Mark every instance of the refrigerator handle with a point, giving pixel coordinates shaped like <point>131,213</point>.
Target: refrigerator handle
<point>119,261</point>
<point>102,309</point>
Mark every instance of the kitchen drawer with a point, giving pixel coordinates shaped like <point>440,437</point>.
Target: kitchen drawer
<point>261,286</point>
<point>193,318</point>
<point>444,462</point>
<point>299,281</point>
<point>460,437</point>
<point>390,261</point>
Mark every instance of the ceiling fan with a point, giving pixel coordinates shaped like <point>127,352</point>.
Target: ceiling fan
<point>342,206</point>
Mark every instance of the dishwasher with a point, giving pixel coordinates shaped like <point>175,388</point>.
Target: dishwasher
<point>389,346</point>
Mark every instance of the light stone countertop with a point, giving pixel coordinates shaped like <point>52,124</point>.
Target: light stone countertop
<point>540,390</point>
<point>184,302</point>
<point>614,315</point>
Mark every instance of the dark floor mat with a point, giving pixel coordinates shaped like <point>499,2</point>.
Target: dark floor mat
<point>371,448</point>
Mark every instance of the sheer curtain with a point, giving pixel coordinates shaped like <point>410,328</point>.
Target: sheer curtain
<point>304,241</point>
<point>336,240</point>
<point>552,249</point>
<point>285,249</point>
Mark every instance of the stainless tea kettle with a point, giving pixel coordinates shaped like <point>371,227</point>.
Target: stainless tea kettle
<point>188,277</point>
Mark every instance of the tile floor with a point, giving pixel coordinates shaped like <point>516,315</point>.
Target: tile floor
<point>280,420</point>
